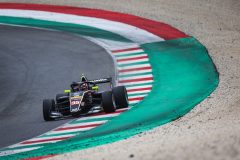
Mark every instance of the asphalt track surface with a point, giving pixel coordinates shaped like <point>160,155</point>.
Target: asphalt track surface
<point>36,64</point>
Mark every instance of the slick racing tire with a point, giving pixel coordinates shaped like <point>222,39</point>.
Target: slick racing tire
<point>120,96</point>
<point>48,106</point>
<point>108,103</point>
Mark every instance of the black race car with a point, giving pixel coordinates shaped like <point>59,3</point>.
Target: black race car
<point>84,98</point>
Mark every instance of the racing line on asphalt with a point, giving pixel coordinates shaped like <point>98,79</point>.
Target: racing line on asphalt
<point>37,64</point>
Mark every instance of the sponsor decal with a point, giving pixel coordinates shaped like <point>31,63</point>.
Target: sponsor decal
<point>75,103</point>
<point>76,97</point>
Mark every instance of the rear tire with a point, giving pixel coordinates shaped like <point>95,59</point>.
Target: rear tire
<point>48,106</point>
<point>108,103</point>
<point>120,96</point>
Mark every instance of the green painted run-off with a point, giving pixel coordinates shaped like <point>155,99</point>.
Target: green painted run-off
<point>184,75</point>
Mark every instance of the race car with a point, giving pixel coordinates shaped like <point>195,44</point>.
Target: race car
<point>84,98</point>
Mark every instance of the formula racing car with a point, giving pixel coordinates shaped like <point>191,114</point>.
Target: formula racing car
<point>84,98</point>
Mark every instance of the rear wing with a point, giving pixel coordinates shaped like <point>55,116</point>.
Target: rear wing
<point>94,82</point>
<point>102,80</point>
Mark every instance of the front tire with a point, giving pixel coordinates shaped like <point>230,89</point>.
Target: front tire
<point>120,96</point>
<point>48,106</point>
<point>108,102</point>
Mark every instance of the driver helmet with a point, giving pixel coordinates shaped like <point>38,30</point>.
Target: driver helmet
<point>84,87</point>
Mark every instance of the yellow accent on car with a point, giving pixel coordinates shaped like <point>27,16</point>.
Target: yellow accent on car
<point>95,88</point>
<point>67,91</point>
